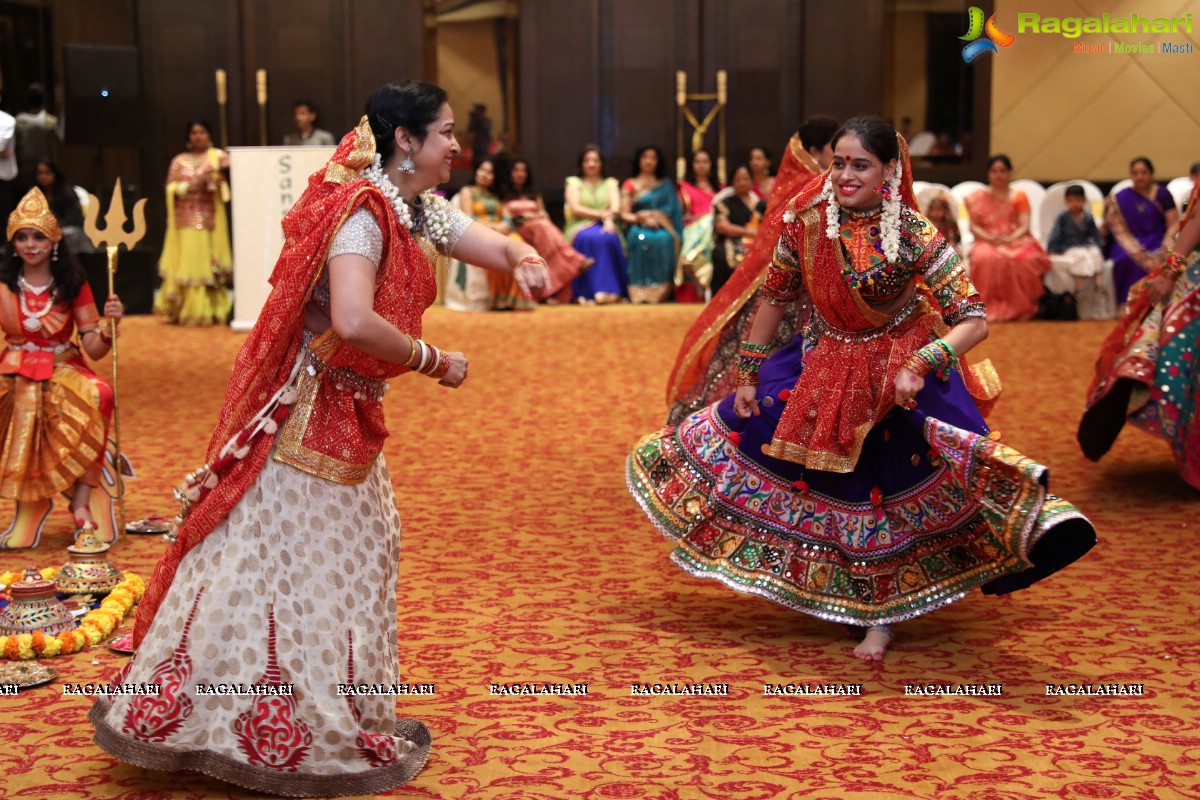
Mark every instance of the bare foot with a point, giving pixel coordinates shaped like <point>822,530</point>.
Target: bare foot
<point>875,643</point>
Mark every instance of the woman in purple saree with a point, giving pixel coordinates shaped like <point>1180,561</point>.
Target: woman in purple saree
<point>1137,220</point>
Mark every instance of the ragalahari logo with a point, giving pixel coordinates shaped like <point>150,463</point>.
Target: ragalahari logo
<point>977,28</point>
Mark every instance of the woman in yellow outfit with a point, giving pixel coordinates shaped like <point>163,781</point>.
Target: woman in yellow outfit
<point>196,260</point>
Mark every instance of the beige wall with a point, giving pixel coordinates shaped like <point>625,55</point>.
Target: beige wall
<point>908,97</point>
<point>1062,115</point>
<point>466,53</point>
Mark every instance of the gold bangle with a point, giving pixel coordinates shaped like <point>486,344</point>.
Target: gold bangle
<point>413,352</point>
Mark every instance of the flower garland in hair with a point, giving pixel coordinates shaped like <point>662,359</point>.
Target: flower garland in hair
<point>889,223</point>
<point>437,215</point>
<point>833,211</point>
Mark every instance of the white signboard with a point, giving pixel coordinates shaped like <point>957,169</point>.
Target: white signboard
<point>265,183</point>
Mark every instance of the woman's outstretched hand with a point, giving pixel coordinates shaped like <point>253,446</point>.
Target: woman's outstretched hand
<point>532,277</point>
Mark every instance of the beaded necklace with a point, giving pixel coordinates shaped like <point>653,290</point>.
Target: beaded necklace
<point>865,267</point>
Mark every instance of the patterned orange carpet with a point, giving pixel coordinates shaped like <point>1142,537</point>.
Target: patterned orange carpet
<point>526,561</point>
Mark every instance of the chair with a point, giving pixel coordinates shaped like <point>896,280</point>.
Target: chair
<point>1124,183</point>
<point>961,192</point>
<point>466,286</point>
<point>921,143</point>
<point>1181,190</point>
<point>1090,303</point>
<point>1054,203</point>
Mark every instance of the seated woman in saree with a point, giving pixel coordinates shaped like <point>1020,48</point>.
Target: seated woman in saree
<point>650,207</point>
<point>283,575</point>
<point>1139,221</point>
<point>696,193</point>
<point>592,207</point>
<point>54,410</point>
<point>701,376</point>
<point>761,171</point>
<point>524,208</point>
<point>940,212</point>
<point>852,476</point>
<point>736,218</point>
<point>1148,372</point>
<point>1007,263</point>
<point>467,289</point>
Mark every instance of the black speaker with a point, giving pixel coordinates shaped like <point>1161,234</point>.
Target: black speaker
<point>103,95</point>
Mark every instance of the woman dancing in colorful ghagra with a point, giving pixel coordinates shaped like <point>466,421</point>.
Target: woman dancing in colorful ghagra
<point>852,476</point>
<point>1149,367</point>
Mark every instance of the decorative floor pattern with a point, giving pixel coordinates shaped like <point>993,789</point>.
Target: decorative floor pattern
<point>524,560</point>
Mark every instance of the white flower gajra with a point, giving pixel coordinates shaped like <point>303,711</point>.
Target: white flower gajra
<point>437,215</point>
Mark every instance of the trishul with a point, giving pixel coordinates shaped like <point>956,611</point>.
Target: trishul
<point>113,233</point>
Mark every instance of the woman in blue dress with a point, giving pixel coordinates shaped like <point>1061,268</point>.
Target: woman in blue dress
<point>650,207</point>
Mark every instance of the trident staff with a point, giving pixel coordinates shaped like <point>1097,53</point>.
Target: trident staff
<point>113,235</point>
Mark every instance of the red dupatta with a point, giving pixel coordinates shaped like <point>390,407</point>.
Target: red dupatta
<point>703,337</point>
<point>846,386</point>
<point>265,362</point>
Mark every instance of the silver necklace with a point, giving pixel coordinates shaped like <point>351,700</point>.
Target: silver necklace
<point>33,319</point>
<point>35,289</point>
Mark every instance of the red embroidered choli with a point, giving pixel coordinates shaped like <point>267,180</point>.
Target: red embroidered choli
<point>855,351</point>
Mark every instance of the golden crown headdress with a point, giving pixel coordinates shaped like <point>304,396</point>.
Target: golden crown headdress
<point>34,212</point>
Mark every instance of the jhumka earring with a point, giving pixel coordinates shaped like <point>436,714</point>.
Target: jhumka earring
<point>407,166</point>
<point>54,252</point>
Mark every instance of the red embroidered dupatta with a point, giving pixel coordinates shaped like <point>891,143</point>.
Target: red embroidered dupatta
<point>701,340</point>
<point>846,387</point>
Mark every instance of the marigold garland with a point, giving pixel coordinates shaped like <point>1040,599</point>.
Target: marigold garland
<point>94,628</point>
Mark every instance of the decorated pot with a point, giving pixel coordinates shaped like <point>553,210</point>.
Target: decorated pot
<point>88,571</point>
<point>34,608</point>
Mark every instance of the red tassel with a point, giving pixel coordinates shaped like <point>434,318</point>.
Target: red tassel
<point>785,395</point>
<point>876,496</point>
<point>243,437</point>
<point>800,486</point>
<point>735,437</point>
<point>222,464</point>
<point>281,413</point>
<point>887,435</point>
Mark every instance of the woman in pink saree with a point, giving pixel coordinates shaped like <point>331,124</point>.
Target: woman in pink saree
<point>1007,263</point>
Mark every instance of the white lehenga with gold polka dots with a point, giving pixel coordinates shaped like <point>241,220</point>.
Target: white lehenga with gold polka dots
<point>297,588</point>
